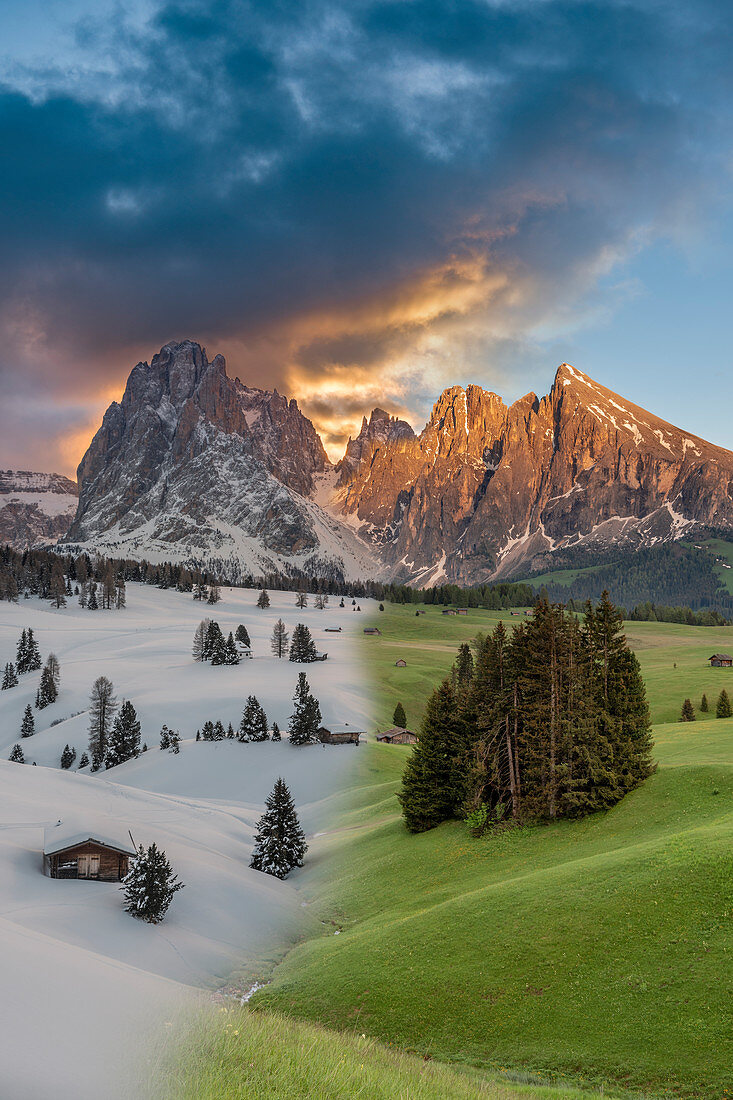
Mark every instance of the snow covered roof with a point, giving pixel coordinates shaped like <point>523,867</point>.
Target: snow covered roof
<point>341,727</point>
<point>67,834</point>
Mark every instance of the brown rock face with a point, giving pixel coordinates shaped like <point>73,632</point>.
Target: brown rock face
<point>35,509</point>
<point>486,488</point>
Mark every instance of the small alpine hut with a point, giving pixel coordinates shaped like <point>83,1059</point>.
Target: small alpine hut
<point>342,734</point>
<point>372,630</point>
<point>70,851</point>
<point>721,660</point>
<point>402,663</point>
<point>397,736</point>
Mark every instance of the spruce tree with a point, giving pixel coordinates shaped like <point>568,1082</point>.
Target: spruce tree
<point>704,705</point>
<point>280,842</point>
<point>253,726</point>
<point>124,740</point>
<point>68,756</point>
<point>242,636</point>
<point>428,795</point>
<point>47,693</point>
<point>102,709</point>
<point>28,725</point>
<point>218,733</point>
<point>150,885</point>
<point>53,666</point>
<point>230,732</point>
<point>10,680</point>
<point>279,643</point>
<point>215,644</point>
<point>231,653</point>
<point>688,712</point>
<point>92,603</point>
<point>399,717</point>
<point>84,762</point>
<point>21,656</point>
<point>207,731</point>
<point>175,742</point>
<point>276,735</point>
<point>16,755</point>
<point>306,718</point>
<point>301,599</point>
<point>464,667</point>
<point>723,707</point>
<point>263,600</point>
<point>302,647</point>
<point>120,592</point>
<point>214,594</point>
<point>165,738</point>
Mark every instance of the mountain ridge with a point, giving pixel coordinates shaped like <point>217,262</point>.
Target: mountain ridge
<point>194,465</point>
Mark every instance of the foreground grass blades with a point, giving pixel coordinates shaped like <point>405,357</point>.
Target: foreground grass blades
<point>232,1053</point>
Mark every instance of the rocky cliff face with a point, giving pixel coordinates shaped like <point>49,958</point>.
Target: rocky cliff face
<point>193,465</point>
<point>486,490</point>
<point>35,509</point>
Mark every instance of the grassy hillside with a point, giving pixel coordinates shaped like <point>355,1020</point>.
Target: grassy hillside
<point>233,1053</point>
<point>673,658</point>
<point>591,951</point>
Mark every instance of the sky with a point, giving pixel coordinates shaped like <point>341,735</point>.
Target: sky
<point>362,203</point>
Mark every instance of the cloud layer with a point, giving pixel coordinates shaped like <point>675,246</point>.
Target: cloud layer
<point>358,203</point>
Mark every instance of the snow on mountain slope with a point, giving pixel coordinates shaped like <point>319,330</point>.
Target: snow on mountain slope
<point>70,942</point>
<point>35,509</point>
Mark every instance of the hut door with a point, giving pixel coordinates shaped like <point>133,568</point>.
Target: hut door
<point>83,867</point>
<point>88,866</point>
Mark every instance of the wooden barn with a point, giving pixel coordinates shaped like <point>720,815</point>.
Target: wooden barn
<point>449,611</point>
<point>402,663</point>
<point>721,660</point>
<point>372,630</point>
<point>342,734</point>
<point>102,855</point>
<point>397,736</point>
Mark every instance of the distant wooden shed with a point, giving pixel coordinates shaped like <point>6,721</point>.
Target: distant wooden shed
<point>721,660</point>
<point>397,736</point>
<point>342,734</point>
<point>402,663</point>
<point>372,630</point>
<point>102,855</point>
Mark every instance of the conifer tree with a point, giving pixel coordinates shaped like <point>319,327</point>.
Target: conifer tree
<point>428,795</point>
<point>84,762</point>
<point>92,603</point>
<point>10,680</point>
<point>68,756</point>
<point>688,712</point>
<point>301,598</point>
<point>175,742</point>
<point>207,731</point>
<point>215,644</point>
<point>464,667</point>
<point>231,653</point>
<point>150,885</point>
<point>200,641</point>
<point>16,755</point>
<point>34,653</point>
<point>218,733</point>
<point>28,725</point>
<point>399,717</point>
<point>253,726</point>
<point>263,600</point>
<point>165,738</point>
<point>242,636</point>
<point>124,740</point>
<point>279,643</point>
<point>723,707</point>
<point>21,657</point>
<point>230,732</point>
<point>52,664</point>
<point>120,592</point>
<point>280,842</point>
<point>276,735</point>
<point>47,692</point>
<point>306,718</point>
<point>704,706</point>
<point>102,709</point>
<point>214,594</point>
<point>57,588</point>
<point>302,647</point>
<point>321,602</point>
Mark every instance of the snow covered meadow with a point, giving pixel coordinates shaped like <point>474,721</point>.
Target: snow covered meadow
<point>79,972</point>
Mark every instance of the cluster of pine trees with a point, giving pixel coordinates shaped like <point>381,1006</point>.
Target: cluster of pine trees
<point>723,707</point>
<point>114,734</point>
<point>254,726</point>
<point>549,722</point>
<point>653,613</point>
<point>209,643</point>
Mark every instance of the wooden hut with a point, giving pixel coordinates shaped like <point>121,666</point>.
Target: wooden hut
<point>102,855</point>
<point>341,734</point>
<point>372,630</point>
<point>402,663</point>
<point>721,660</point>
<point>397,736</point>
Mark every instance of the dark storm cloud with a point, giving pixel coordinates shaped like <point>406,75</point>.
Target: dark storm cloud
<point>317,173</point>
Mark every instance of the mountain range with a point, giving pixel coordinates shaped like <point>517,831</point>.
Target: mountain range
<point>192,465</point>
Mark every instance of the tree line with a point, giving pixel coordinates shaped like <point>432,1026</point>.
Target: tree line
<point>548,722</point>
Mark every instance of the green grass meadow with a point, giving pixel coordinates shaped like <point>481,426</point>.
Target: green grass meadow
<point>597,953</point>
